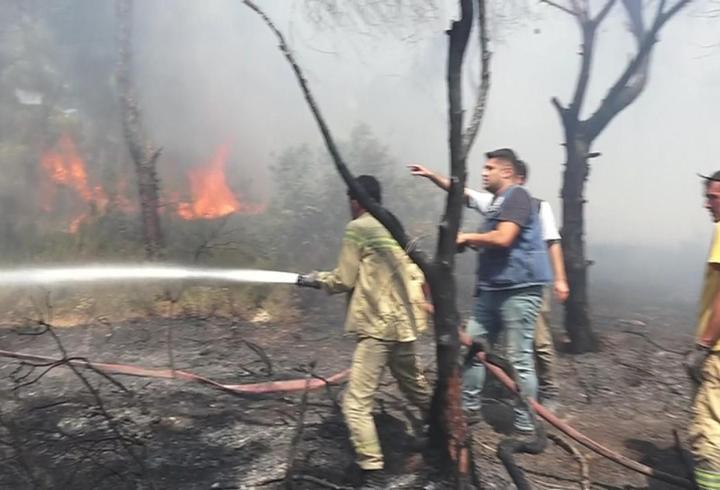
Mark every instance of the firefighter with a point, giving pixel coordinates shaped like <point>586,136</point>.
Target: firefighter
<point>386,313</point>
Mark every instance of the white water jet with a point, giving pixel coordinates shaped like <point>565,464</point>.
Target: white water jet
<point>105,273</point>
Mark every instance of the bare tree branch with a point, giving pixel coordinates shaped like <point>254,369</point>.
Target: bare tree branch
<point>587,55</point>
<point>107,436</point>
<point>375,209</point>
<point>21,458</point>
<point>603,12</point>
<point>631,82</point>
<point>481,102</point>
<point>558,105</point>
<point>297,436</point>
<point>558,6</point>
<point>579,457</point>
<point>588,29</point>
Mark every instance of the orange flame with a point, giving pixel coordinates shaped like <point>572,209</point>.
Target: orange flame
<point>121,201</point>
<point>211,197</point>
<point>65,167</point>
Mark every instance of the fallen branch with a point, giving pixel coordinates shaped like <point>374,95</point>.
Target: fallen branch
<point>127,442</point>
<point>108,435</point>
<point>328,391</point>
<point>262,355</point>
<point>297,436</point>
<point>652,342</point>
<point>579,457</point>
<point>21,458</point>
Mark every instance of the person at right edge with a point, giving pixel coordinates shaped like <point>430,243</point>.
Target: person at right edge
<point>703,362</point>
<point>512,269</point>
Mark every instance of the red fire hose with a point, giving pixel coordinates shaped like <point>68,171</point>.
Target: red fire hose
<point>287,385</point>
<point>291,385</point>
<point>585,440</point>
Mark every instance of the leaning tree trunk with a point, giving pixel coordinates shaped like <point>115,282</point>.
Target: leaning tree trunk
<point>577,315</point>
<point>448,426</point>
<point>143,154</point>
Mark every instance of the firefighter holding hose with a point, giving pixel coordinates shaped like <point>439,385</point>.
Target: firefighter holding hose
<point>703,362</point>
<point>387,311</point>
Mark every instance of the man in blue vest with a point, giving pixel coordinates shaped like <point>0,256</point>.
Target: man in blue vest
<point>512,269</point>
<point>545,355</point>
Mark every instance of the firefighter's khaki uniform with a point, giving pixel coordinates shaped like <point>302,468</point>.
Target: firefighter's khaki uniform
<point>705,425</point>
<point>545,356</point>
<point>386,314</point>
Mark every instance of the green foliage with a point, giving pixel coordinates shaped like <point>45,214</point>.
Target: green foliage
<point>310,208</point>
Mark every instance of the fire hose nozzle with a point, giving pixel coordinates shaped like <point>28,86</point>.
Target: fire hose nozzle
<point>308,281</point>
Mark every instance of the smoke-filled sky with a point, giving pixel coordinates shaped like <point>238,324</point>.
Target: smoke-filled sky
<point>211,72</point>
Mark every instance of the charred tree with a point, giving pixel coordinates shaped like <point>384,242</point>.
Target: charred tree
<point>449,428</point>
<point>580,134</point>
<point>144,155</point>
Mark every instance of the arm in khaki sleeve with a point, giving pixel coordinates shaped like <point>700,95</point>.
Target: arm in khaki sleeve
<point>342,279</point>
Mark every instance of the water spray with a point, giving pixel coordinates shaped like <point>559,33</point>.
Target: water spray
<point>116,273</point>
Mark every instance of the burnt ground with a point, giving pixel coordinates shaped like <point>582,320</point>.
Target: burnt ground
<point>55,433</point>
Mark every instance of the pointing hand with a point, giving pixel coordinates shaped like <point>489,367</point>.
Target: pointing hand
<point>419,170</point>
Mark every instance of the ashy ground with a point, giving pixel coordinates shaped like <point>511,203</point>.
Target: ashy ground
<point>61,428</point>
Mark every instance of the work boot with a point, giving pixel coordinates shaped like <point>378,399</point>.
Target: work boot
<point>373,480</point>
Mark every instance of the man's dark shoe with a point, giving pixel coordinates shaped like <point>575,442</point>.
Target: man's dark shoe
<point>373,480</point>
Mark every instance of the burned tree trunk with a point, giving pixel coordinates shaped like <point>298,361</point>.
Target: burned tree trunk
<point>581,133</point>
<point>577,315</point>
<point>450,430</point>
<point>142,152</point>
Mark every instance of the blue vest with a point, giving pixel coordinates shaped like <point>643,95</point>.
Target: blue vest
<point>525,263</point>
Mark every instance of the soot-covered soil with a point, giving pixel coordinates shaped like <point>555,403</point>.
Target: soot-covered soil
<point>65,429</point>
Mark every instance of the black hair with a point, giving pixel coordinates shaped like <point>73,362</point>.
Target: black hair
<point>509,156</point>
<point>521,169</point>
<point>371,185</point>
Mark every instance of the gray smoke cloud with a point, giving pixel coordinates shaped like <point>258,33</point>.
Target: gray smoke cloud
<point>210,73</point>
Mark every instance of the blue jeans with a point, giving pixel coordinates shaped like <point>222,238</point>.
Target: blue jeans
<point>515,311</point>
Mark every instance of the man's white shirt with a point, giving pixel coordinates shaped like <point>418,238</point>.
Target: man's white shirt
<point>482,202</point>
